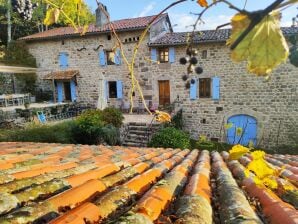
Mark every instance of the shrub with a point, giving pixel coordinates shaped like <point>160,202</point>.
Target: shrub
<point>113,116</point>
<point>110,135</point>
<point>170,138</point>
<point>59,133</point>
<point>87,128</point>
<point>177,121</point>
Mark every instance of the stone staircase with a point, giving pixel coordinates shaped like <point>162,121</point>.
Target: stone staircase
<point>139,134</point>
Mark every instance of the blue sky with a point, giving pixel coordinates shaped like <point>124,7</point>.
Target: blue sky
<point>180,15</point>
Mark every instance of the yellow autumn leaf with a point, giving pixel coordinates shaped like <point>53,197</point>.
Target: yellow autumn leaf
<point>162,117</point>
<point>202,3</point>
<point>52,16</point>
<point>264,47</point>
<point>237,151</point>
<point>228,125</point>
<point>239,131</point>
<point>260,168</point>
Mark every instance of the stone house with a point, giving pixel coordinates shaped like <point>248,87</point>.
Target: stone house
<point>90,68</point>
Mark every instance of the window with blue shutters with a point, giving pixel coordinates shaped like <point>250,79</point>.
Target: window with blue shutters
<point>205,87</point>
<point>73,91</point>
<point>171,54</point>
<point>153,54</point>
<point>60,91</point>
<point>193,90</point>
<point>63,60</point>
<point>115,89</point>
<point>215,88</point>
<point>118,57</point>
<point>119,90</point>
<point>102,58</point>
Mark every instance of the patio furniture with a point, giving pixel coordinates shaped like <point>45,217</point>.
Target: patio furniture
<point>14,100</point>
<point>41,117</point>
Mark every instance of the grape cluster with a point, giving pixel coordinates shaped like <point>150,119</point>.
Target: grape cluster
<point>192,61</point>
<point>24,8</point>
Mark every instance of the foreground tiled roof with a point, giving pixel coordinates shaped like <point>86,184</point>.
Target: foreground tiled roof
<point>205,36</point>
<point>42,183</point>
<point>119,25</point>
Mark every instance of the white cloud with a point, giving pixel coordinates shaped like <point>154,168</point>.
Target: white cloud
<point>148,8</point>
<point>183,22</point>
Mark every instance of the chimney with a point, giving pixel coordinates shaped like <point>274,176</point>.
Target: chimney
<point>101,15</point>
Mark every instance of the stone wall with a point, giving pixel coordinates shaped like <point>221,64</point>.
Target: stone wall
<point>274,103</point>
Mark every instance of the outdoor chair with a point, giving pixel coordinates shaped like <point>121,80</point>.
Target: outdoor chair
<point>2,102</point>
<point>9,100</point>
<point>41,117</point>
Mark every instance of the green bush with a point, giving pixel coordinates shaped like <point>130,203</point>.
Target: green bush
<point>87,128</point>
<point>110,135</point>
<point>170,138</point>
<point>59,133</point>
<point>113,116</point>
<point>177,121</point>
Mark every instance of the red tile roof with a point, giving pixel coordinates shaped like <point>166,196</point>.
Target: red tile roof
<point>120,25</point>
<point>69,74</point>
<point>56,183</point>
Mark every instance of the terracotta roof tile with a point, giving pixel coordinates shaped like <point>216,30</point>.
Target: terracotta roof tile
<point>62,74</point>
<point>120,25</point>
<point>160,184</point>
<point>205,36</point>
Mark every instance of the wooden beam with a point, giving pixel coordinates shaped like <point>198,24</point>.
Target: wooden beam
<point>17,70</point>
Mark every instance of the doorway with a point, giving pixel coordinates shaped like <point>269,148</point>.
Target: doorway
<point>248,125</point>
<point>67,93</point>
<point>164,92</point>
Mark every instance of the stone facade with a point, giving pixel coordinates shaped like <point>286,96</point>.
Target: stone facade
<point>274,103</point>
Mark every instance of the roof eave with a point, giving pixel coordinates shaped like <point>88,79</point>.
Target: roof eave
<point>184,43</point>
<point>78,35</point>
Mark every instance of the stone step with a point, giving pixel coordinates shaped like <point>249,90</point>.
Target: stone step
<point>139,137</point>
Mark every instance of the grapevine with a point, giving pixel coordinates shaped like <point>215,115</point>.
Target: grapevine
<point>24,8</point>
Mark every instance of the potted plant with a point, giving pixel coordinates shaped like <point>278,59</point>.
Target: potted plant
<point>27,105</point>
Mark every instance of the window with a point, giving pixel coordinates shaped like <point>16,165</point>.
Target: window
<point>204,54</point>
<point>110,57</point>
<point>163,54</point>
<point>205,87</point>
<point>113,89</point>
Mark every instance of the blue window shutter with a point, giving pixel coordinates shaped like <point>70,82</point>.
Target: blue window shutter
<point>118,57</point>
<point>119,90</point>
<point>153,54</point>
<point>171,54</point>
<point>60,91</point>
<point>193,90</point>
<point>102,58</point>
<point>215,88</point>
<point>63,60</point>
<point>106,90</point>
<point>73,91</point>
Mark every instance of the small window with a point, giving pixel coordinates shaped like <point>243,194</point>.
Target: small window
<point>205,88</point>
<point>109,37</point>
<point>113,89</point>
<point>163,55</point>
<point>204,54</point>
<point>110,57</point>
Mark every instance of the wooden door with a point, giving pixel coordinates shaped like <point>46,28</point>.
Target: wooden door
<point>164,92</point>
